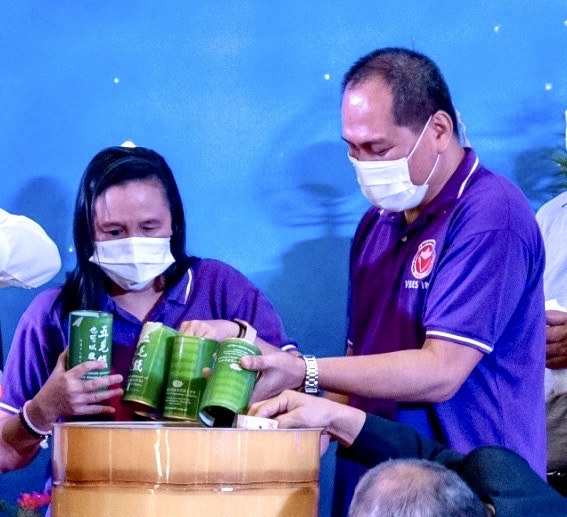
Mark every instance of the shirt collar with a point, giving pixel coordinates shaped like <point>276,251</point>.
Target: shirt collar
<point>178,294</point>
<point>451,191</point>
<point>457,183</point>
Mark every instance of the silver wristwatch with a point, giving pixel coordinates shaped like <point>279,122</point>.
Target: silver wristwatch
<point>311,375</point>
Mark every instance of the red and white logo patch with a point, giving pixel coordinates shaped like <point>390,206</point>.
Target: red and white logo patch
<point>422,263</point>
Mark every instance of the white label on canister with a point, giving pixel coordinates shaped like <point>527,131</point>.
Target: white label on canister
<point>255,422</point>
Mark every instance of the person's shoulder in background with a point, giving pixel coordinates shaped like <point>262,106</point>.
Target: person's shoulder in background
<point>547,214</point>
<point>28,257</point>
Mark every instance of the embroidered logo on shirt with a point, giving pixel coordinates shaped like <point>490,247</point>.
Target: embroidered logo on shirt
<point>424,259</point>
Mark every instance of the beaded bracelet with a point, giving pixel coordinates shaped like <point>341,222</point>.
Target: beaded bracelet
<point>32,429</point>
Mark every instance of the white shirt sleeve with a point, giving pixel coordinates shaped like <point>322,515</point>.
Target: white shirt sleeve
<point>552,220</point>
<point>28,257</point>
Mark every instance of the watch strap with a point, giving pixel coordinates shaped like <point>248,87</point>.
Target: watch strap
<point>311,384</point>
<point>247,331</point>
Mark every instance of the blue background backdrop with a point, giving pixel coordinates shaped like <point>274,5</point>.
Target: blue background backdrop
<point>242,98</point>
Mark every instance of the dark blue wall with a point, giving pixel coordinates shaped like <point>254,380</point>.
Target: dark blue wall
<point>242,98</point>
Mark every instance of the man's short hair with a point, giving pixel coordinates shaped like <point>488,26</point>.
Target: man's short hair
<point>418,87</point>
<point>414,488</point>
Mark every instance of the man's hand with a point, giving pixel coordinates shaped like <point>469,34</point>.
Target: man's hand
<point>556,339</point>
<point>279,371</point>
<point>299,410</point>
<point>66,394</point>
<point>295,410</point>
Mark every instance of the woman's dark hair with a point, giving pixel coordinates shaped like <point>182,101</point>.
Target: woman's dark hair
<point>85,285</point>
<point>417,85</point>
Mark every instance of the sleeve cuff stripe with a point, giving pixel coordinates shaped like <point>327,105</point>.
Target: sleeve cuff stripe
<point>483,347</point>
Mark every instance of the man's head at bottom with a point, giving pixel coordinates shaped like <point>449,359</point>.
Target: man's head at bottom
<point>414,488</point>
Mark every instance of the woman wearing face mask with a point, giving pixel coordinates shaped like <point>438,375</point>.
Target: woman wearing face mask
<point>129,234</point>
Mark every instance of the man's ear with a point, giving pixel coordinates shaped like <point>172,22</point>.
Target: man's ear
<point>443,125</point>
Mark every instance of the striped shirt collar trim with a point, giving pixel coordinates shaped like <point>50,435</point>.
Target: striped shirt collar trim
<point>468,176</point>
<point>189,284</point>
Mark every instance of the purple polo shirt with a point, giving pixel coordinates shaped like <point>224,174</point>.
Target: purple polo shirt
<point>468,270</point>
<point>209,290</point>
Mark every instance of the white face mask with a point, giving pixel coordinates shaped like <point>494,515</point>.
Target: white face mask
<point>135,262</point>
<point>387,183</point>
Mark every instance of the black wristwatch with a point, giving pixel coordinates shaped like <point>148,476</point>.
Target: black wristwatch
<point>247,331</point>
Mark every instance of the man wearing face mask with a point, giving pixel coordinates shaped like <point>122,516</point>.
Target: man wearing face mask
<point>446,323</point>
<point>129,235</point>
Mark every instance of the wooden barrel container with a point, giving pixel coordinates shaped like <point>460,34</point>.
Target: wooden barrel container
<point>166,469</point>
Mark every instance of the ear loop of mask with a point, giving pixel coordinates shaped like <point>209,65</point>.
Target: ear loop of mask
<point>426,182</point>
<point>420,137</point>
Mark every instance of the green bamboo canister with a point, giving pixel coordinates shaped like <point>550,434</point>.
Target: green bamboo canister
<point>90,339</point>
<point>230,386</point>
<point>186,382</point>
<point>148,371</point>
